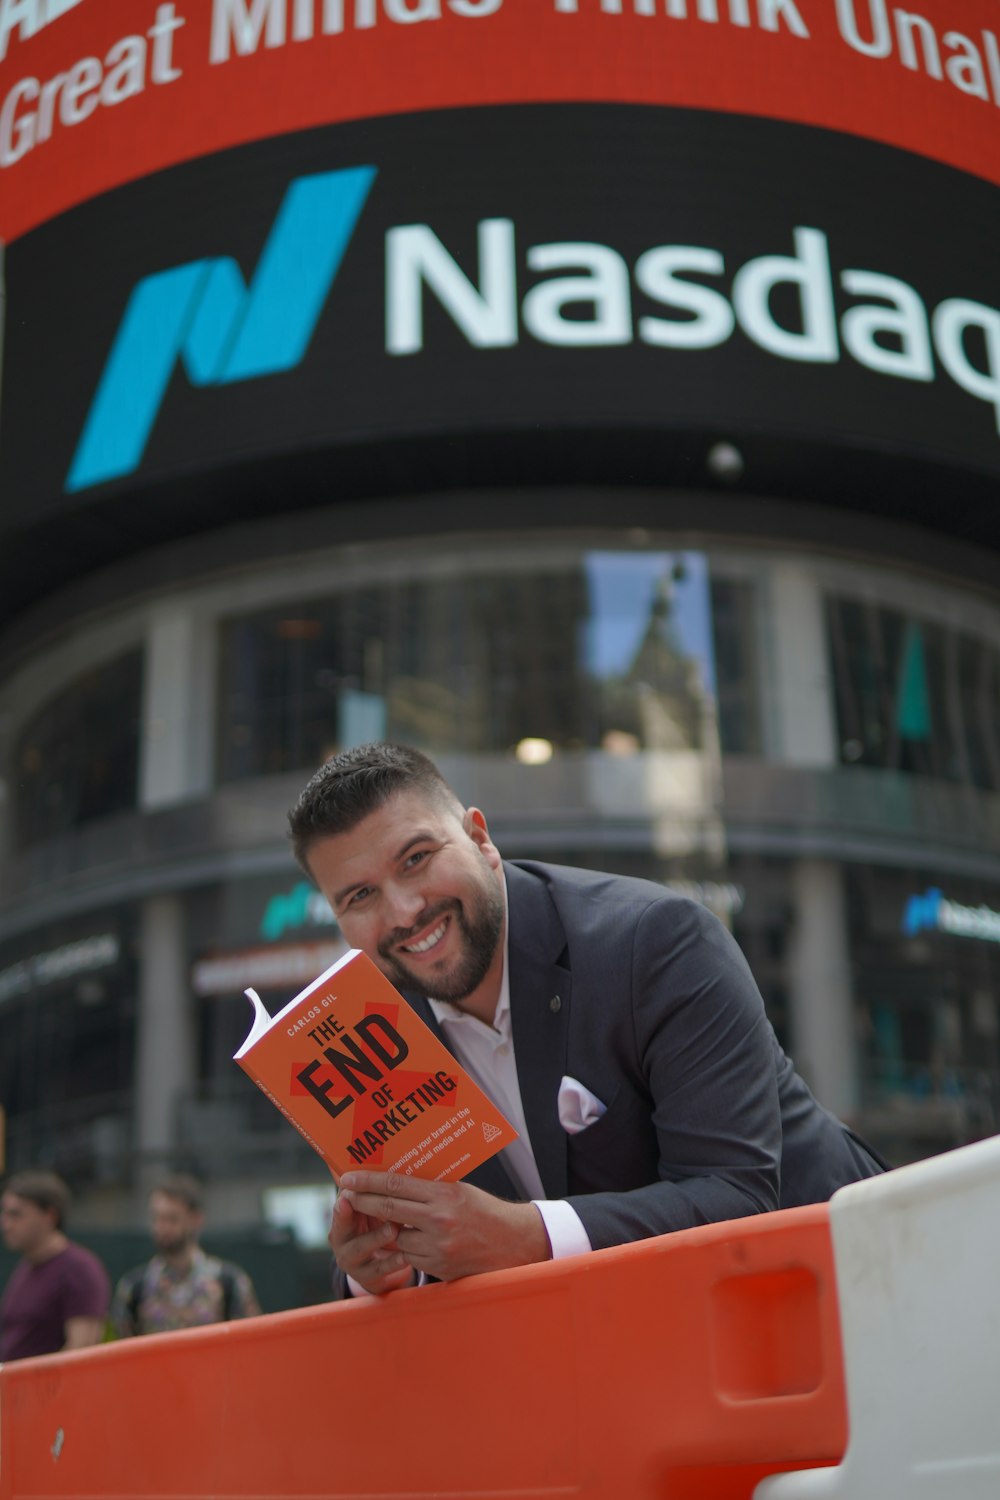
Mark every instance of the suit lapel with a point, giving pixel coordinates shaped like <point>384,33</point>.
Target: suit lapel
<point>540,995</point>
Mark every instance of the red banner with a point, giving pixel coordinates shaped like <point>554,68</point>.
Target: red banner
<point>95,93</point>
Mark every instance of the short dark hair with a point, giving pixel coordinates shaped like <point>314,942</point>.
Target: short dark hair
<point>45,1189</point>
<point>349,786</point>
<point>187,1190</point>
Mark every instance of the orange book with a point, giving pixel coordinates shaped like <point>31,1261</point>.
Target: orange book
<point>366,1081</point>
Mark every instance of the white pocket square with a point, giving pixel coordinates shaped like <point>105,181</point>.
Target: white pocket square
<point>578,1107</point>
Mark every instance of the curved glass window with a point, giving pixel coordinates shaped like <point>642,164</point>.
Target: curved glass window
<point>914,696</point>
<point>615,651</point>
<point>78,759</point>
<point>67,1037</point>
<point>925,954</point>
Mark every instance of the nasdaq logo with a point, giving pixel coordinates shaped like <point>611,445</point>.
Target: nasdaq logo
<point>676,298</point>
<point>923,913</point>
<point>932,912</point>
<point>205,315</point>
<point>302,906</point>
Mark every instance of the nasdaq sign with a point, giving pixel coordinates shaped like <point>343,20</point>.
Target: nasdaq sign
<point>932,912</point>
<point>585,295</point>
<point>223,331</point>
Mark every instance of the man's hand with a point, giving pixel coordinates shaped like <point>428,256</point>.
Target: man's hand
<point>365,1248</point>
<point>445,1229</point>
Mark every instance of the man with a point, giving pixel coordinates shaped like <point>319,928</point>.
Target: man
<point>181,1287</point>
<point>57,1295</point>
<point>616,1024</point>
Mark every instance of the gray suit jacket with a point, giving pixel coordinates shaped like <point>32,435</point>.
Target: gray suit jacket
<point>646,999</point>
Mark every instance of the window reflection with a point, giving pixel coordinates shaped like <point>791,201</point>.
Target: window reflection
<point>733,603</point>
<point>927,997</point>
<point>79,758</point>
<point>914,696</point>
<point>649,651</point>
<point>616,651</point>
<point>67,1004</point>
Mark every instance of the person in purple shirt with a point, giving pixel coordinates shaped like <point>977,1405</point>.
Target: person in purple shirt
<point>57,1295</point>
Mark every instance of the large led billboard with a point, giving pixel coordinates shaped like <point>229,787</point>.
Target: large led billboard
<point>266,255</point>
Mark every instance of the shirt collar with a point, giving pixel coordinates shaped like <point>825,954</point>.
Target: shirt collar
<point>163,1267</point>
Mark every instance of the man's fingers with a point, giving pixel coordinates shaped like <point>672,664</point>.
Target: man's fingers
<point>341,1222</point>
<point>365,1243</point>
<point>393,1210</point>
<point>355,1241</point>
<point>397,1279</point>
<point>393,1184</point>
<point>388,1195</point>
<point>418,1248</point>
<point>389,1264</point>
<point>411,1201</point>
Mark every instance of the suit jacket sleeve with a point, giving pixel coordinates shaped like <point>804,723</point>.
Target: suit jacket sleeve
<point>692,1134</point>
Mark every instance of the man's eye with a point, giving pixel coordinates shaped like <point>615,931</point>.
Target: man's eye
<point>417,857</point>
<point>358,895</point>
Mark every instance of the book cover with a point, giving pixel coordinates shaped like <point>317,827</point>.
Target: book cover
<point>367,1083</point>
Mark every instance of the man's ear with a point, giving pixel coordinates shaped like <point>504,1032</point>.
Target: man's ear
<point>474,824</point>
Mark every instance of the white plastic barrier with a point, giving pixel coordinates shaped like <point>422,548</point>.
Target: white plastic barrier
<point>917,1256</point>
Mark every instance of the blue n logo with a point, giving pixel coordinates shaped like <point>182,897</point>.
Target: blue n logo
<point>923,913</point>
<point>205,314</point>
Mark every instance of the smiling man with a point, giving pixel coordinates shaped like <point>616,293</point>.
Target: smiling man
<point>615,1024</point>
<point>440,891</point>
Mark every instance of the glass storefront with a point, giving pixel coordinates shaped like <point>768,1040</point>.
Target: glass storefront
<point>67,1044</point>
<point>621,651</point>
<point>925,951</point>
<point>78,759</point>
<point>914,695</point>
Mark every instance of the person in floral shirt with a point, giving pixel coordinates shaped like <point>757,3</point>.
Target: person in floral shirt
<point>182,1286</point>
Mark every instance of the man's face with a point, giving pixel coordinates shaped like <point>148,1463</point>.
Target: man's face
<point>417,887</point>
<point>173,1225</point>
<point>25,1227</point>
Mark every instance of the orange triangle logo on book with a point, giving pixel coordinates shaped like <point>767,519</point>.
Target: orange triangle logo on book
<point>367,1083</point>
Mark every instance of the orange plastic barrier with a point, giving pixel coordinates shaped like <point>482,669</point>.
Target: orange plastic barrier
<point>682,1368</point>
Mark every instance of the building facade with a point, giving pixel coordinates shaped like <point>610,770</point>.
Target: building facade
<point>601,396</point>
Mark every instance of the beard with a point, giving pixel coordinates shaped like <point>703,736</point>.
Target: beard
<point>172,1244</point>
<point>480,922</point>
